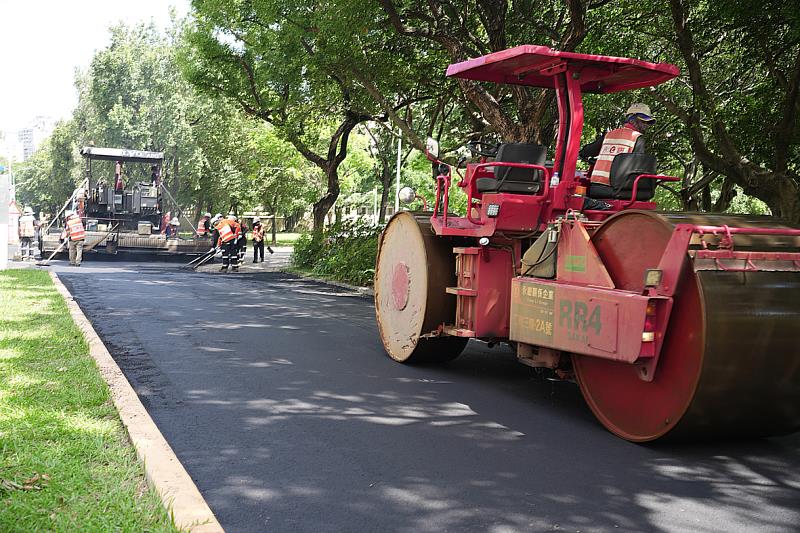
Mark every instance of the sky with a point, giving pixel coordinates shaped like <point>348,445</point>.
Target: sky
<point>43,42</point>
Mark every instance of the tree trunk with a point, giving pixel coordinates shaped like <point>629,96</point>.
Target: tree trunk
<point>706,198</point>
<point>321,208</point>
<point>726,195</point>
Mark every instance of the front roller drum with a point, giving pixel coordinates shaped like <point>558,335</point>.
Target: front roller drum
<point>413,269</point>
<point>730,362</point>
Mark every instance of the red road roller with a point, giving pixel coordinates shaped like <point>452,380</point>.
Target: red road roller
<point>679,325</point>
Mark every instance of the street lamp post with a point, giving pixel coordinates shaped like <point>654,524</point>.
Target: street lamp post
<point>397,185</point>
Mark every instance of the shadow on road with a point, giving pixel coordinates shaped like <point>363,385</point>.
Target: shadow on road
<point>277,396</point>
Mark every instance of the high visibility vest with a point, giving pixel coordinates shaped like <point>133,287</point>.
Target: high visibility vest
<point>201,227</point>
<point>26,226</point>
<point>258,233</point>
<point>228,230</point>
<point>618,141</point>
<point>75,229</point>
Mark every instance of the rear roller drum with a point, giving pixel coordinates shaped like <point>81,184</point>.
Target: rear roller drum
<point>413,269</point>
<point>729,366</point>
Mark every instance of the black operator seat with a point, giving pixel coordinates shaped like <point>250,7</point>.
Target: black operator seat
<point>625,168</point>
<point>515,180</point>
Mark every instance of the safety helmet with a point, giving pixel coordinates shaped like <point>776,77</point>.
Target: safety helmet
<point>641,111</point>
<point>28,211</point>
<point>218,216</point>
<point>207,215</point>
<point>175,221</point>
<point>232,217</point>
<point>256,219</point>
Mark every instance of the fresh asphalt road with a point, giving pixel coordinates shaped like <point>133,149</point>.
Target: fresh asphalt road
<point>277,397</point>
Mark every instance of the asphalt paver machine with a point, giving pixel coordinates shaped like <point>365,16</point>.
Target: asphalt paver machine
<point>124,215</point>
<point>676,325</point>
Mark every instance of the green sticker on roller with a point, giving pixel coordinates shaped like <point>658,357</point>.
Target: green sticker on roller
<point>575,263</point>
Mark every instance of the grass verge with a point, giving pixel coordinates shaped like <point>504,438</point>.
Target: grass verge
<point>65,460</point>
<point>283,239</point>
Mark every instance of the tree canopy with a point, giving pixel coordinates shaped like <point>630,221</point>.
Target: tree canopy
<point>255,101</point>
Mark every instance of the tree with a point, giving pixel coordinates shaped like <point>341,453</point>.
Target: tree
<point>729,123</point>
<point>283,182</point>
<point>726,124</point>
<point>256,56</point>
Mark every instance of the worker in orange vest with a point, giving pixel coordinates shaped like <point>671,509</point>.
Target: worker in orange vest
<point>229,233</point>
<point>27,232</point>
<point>627,138</point>
<point>73,230</point>
<point>204,225</point>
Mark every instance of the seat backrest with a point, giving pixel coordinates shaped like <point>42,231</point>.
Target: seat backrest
<point>624,170</point>
<point>532,154</point>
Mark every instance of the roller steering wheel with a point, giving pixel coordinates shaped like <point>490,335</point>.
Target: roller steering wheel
<point>487,150</point>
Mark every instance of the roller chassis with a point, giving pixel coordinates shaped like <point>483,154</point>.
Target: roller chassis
<point>636,326</point>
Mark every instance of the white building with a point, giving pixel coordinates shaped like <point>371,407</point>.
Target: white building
<point>31,137</point>
<point>10,148</point>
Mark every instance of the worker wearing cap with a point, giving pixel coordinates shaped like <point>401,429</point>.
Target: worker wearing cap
<point>27,232</point>
<point>204,225</point>
<point>73,230</point>
<point>623,140</point>
<point>214,232</point>
<point>174,226</point>
<point>229,231</point>
<point>258,240</point>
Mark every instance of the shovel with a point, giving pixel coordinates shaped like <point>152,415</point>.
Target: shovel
<point>197,261</point>
<point>46,262</point>
<point>205,259</point>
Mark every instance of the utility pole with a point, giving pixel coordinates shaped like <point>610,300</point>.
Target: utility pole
<point>397,184</point>
<point>375,205</point>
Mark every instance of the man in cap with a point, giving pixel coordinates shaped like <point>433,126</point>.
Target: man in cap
<point>27,232</point>
<point>625,139</point>
<point>174,226</point>
<point>258,240</point>
<point>73,230</point>
<point>204,225</point>
<point>214,232</point>
<point>229,231</point>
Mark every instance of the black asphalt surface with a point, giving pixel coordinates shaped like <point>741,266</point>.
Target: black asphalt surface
<point>277,397</point>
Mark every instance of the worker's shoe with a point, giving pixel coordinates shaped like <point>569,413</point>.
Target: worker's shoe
<point>223,269</point>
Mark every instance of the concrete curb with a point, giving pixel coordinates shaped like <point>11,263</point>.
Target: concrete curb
<point>163,470</point>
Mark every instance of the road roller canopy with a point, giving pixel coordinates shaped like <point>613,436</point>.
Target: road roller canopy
<point>122,154</point>
<point>537,66</point>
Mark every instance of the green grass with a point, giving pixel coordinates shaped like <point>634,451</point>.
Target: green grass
<point>66,463</point>
<point>284,239</point>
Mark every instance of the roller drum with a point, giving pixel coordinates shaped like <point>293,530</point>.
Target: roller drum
<point>730,363</point>
<point>412,271</point>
